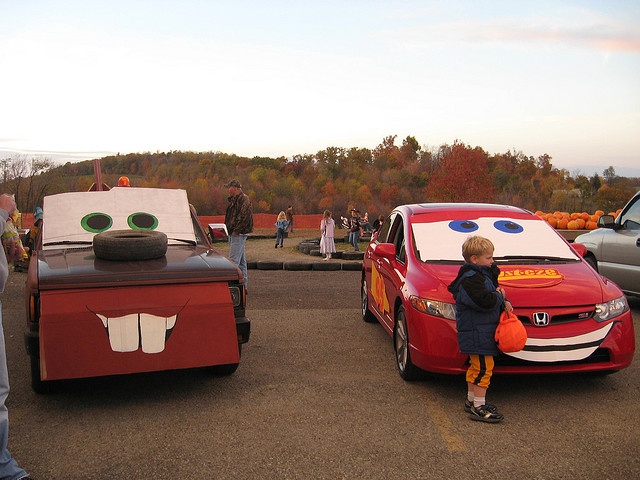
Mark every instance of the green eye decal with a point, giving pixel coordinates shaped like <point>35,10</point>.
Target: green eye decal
<point>96,222</point>
<point>142,221</point>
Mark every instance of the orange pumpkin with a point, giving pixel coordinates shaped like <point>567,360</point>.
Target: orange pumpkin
<point>562,223</point>
<point>572,225</point>
<point>591,225</point>
<point>553,221</point>
<point>599,213</point>
<point>581,223</point>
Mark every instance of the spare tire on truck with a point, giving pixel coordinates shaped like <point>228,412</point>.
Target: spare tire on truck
<point>130,245</point>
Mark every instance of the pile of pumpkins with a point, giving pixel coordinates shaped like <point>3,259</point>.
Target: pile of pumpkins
<point>575,220</point>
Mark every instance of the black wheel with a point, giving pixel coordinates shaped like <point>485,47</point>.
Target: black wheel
<point>591,260</point>
<point>353,255</point>
<point>130,245</point>
<point>227,369</point>
<point>352,266</point>
<point>298,266</point>
<point>268,265</point>
<point>328,266</point>
<point>37,384</point>
<point>367,315</point>
<point>408,371</point>
<point>224,370</point>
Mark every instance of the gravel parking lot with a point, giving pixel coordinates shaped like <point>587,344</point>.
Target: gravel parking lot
<point>316,396</point>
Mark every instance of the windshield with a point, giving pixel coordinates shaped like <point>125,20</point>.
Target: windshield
<point>515,240</point>
<point>74,218</point>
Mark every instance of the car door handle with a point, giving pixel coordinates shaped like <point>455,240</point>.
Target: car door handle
<point>637,242</point>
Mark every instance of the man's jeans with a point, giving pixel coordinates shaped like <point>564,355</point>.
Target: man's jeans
<point>237,253</point>
<point>8,466</point>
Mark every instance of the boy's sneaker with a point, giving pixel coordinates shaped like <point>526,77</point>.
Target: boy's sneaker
<point>486,413</point>
<point>468,405</point>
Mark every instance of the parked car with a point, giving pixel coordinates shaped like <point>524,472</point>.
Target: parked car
<point>614,248</point>
<point>576,321</point>
<point>125,281</point>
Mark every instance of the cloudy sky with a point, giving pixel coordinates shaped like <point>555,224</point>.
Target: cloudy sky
<point>82,79</point>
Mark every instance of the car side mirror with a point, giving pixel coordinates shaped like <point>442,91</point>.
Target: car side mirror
<point>580,249</point>
<point>385,250</point>
<point>606,221</point>
<point>217,232</point>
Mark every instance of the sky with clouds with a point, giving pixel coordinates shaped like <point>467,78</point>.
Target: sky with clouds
<point>80,79</point>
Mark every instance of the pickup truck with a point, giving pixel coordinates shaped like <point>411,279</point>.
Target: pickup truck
<point>126,281</point>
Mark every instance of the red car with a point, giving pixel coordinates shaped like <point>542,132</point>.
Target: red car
<point>125,281</point>
<point>576,320</point>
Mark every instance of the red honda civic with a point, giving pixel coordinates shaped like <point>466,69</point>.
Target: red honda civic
<point>576,320</point>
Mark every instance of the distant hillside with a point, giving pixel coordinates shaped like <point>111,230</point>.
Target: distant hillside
<point>338,179</point>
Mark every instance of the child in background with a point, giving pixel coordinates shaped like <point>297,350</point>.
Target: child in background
<point>281,225</point>
<point>327,243</point>
<point>479,301</point>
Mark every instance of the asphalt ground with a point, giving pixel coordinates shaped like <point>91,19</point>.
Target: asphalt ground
<point>316,396</point>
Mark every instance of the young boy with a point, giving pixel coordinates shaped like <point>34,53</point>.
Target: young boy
<point>479,301</point>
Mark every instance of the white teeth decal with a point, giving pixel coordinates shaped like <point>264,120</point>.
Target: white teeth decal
<point>125,332</point>
<point>154,331</point>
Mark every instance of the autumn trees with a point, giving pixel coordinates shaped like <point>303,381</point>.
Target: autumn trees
<point>339,178</point>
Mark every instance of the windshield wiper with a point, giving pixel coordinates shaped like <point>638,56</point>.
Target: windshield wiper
<point>68,242</point>
<point>188,242</point>
<point>533,260</point>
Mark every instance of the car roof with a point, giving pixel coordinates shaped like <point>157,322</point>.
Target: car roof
<point>491,208</point>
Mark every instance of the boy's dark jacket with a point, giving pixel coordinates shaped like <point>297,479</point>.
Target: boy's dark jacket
<point>478,307</point>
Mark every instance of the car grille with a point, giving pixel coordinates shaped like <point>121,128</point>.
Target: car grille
<point>565,317</point>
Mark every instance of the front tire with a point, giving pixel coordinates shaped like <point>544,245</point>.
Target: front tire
<point>367,315</point>
<point>37,384</point>
<point>407,370</point>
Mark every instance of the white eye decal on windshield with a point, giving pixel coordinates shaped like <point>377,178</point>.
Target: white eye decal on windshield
<point>508,226</point>
<point>463,226</point>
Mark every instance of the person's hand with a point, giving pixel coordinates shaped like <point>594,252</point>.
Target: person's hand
<point>507,306</point>
<point>11,250</point>
<point>7,203</point>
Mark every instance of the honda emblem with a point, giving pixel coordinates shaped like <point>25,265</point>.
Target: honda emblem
<point>541,319</point>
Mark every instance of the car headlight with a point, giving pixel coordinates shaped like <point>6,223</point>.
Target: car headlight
<point>434,307</point>
<point>607,311</point>
<point>236,295</point>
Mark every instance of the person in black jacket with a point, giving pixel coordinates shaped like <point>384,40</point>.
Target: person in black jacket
<point>479,301</point>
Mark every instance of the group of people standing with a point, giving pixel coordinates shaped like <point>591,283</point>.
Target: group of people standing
<point>239,222</point>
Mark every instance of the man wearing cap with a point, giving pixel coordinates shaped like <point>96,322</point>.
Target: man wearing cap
<point>239,221</point>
